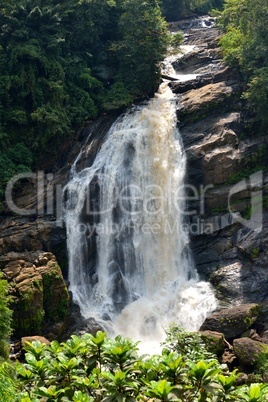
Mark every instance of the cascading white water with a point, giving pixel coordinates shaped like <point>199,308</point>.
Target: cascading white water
<point>130,265</point>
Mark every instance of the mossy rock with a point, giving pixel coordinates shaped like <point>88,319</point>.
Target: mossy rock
<point>214,341</point>
<point>248,351</point>
<point>28,309</point>
<point>232,322</point>
<point>40,295</point>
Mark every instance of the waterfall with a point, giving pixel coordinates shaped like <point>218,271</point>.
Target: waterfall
<point>130,264</point>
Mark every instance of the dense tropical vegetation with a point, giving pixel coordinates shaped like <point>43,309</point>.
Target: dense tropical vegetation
<point>177,9</point>
<point>63,63</point>
<point>96,368</point>
<point>245,46</point>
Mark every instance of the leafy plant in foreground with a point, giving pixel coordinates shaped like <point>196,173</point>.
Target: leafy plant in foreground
<point>96,368</point>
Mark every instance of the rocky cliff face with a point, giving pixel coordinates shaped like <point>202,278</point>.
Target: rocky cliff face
<point>228,188</point>
<point>40,299</point>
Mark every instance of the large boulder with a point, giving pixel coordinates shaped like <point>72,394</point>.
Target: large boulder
<point>248,351</point>
<point>198,102</point>
<point>240,282</point>
<point>35,338</point>
<point>40,296</point>
<point>232,322</point>
<point>227,282</point>
<point>21,233</point>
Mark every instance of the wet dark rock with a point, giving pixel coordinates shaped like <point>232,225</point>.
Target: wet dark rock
<point>218,74</point>
<point>178,87</point>
<point>83,326</point>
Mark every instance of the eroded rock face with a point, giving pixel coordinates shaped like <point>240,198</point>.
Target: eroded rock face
<point>197,102</point>
<point>40,295</point>
<point>224,174</point>
<point>232,322</point>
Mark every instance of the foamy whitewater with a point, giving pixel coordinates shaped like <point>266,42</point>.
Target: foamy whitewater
<point>129,207</point>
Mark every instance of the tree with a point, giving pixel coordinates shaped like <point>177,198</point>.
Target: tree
<point>178,9</point>
<point>141,45</point>
<point>245,46</point>
<point>63,63</point>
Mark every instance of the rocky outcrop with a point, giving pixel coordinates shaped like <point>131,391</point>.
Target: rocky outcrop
<point>226,184</point>
<point>232,322</point>
<point>198,102</point>
<point>40,298</point>
<point>233,346</point>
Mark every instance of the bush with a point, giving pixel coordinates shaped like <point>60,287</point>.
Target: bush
<point>5,318</point>
<point>96,368</point>
<point>245,47</point>
<point>8,391</point>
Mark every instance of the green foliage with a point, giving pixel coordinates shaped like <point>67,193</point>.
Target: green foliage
<point>141,44</point>
<point>14,160</point>
<point>96,368</point>
<point>54,311</point>
<point>28,314</point>
<point>178,9</point>
<point>253,393</point>
<point>257,94</point>
<point>5,318</point>
<point>186,343</point>
<point>63,63</point>
<point>245,46</point>
<point>7,382</point>
<point>117,97</point>
<point>262,364</point>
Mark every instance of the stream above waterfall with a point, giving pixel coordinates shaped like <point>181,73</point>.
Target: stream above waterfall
<point>130,265</point>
